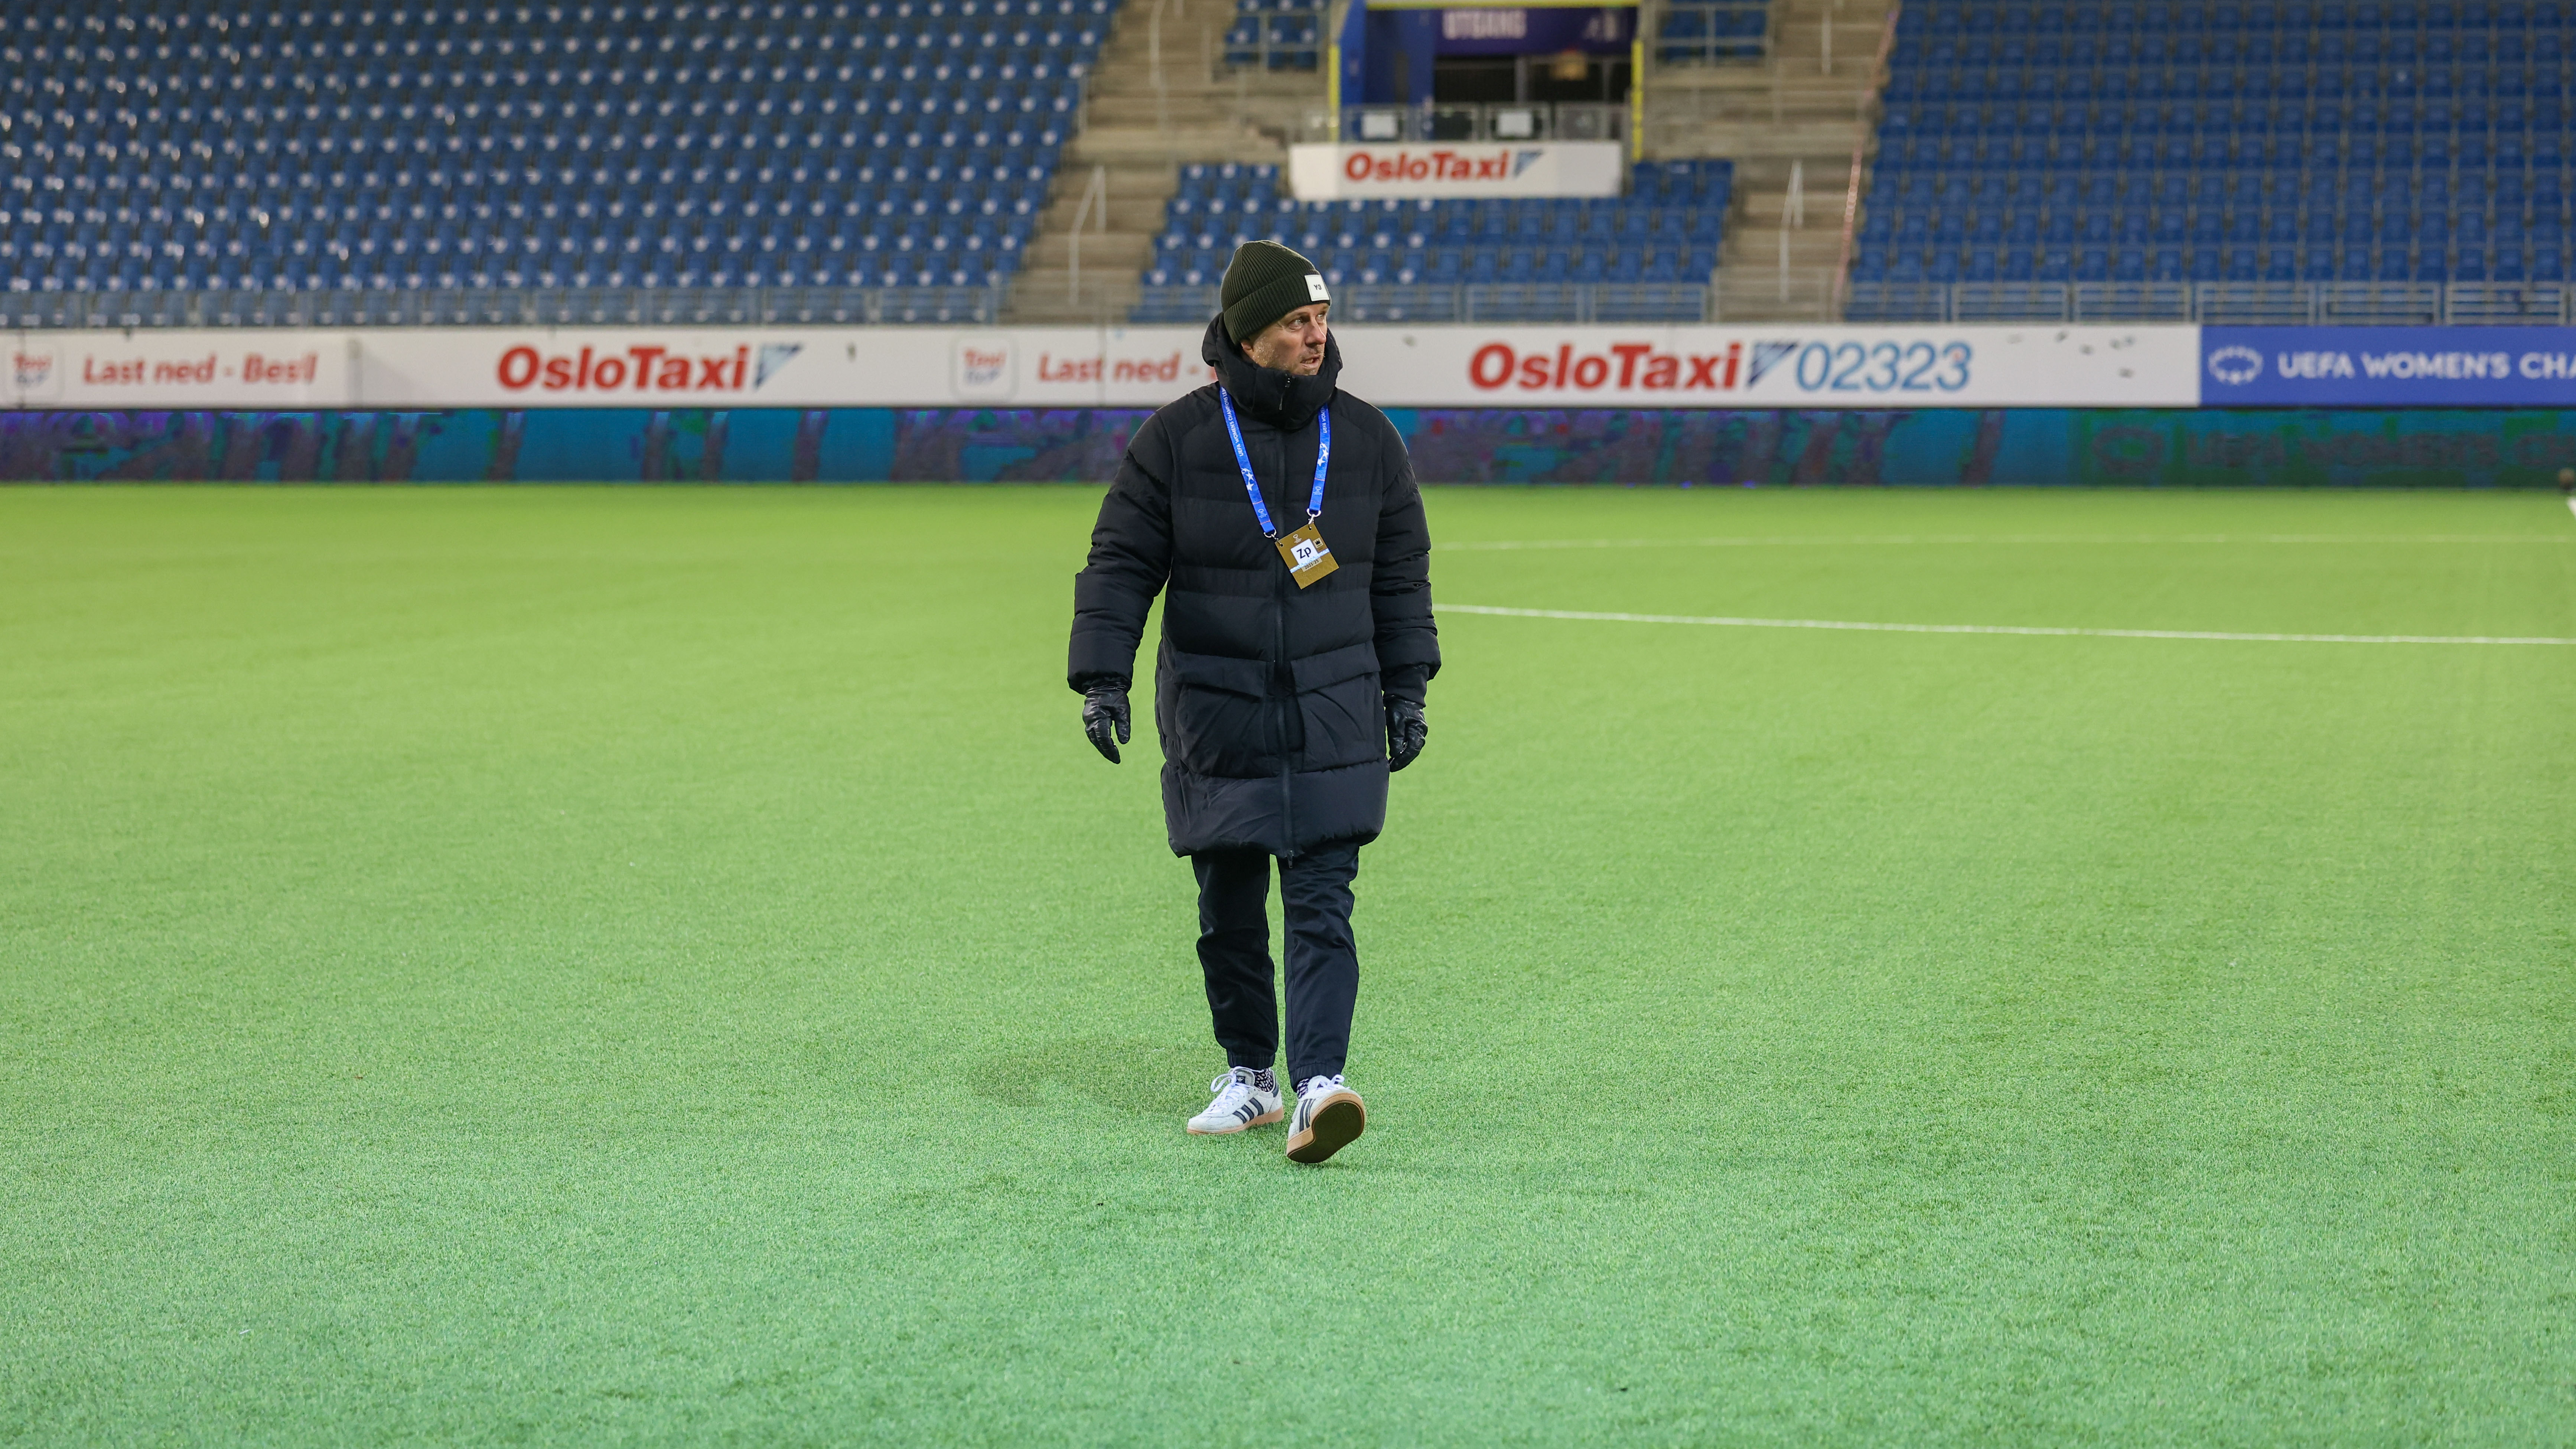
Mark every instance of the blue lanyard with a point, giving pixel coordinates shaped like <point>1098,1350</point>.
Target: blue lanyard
<point>1252,485</point>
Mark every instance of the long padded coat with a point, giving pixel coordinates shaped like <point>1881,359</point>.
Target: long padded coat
<point>1268,697</point>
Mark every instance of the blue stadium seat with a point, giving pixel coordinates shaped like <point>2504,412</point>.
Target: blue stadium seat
<point>385,169</point>
<point>2287,141</point>
<point>1375,243</point>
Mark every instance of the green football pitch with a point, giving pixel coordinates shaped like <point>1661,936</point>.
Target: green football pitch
<point>598,965</point>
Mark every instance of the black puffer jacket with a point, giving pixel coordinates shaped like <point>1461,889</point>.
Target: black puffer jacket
<point>1267,696</point>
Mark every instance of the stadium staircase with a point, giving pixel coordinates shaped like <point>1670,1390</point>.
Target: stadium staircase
<point>1792,117</point>
<point>1158,98</point>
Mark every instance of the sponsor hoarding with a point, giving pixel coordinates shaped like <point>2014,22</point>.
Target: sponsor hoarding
<point>212,369</point>
<point>1072,367</point>
<point>1506,366</point>
<point>1773,366</point>
<point>2477,367</point>
<point>605,367</point>
<point>1324,172</point>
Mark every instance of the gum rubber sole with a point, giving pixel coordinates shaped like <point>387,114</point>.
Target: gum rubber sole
<point>1335,1125</point>
<point>1265,1119</point>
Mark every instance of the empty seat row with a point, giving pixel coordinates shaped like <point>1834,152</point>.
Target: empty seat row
<point>133,23</point>
<point>2312,262</point>
<point>1935,18</point>
<point>894,142</point>
<point>1453,266</point>
<point>2251,183</point>
<point>2539,68</point>
<point>1666,230</point>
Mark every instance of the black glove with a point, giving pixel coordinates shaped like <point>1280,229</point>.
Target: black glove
<point>1104,718</point>
<point>1406,732</point>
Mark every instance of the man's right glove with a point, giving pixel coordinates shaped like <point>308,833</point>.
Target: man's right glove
<point>1406,732</point>
<point>1104,718</point>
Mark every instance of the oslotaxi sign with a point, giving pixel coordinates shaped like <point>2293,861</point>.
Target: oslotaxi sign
<point>512,368</point>
<point>1783,366</point>
<point>1446,366</point>
<point>1412,169</point>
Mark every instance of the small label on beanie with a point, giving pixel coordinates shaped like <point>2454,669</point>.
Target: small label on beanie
<point>1315,288</point>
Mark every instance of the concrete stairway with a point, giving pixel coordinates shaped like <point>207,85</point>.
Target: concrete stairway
<point>1800,115</point>
<point>1143,117</point>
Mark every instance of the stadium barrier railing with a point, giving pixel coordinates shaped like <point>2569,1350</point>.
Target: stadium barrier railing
<point>509,307</point>
<point>1560,302</point>
<point>1274,37</point>
<point>1457,122</point>
<point>1711,32</point>
<point>2283,304</point>
<point>1752,297</point>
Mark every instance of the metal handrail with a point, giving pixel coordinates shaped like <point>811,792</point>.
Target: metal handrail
<point>1740,49</point>
<point>1559,302</point>
<point>2545,303</point>
<point>1097,190</point>
<point>1860,154</point>
<point>1262,50</point>
<point>505,307</point>
<point>1496,121</point>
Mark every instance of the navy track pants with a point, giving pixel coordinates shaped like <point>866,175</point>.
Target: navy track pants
<point>1323,961</point>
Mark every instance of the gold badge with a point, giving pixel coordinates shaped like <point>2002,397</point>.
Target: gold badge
<point>1307,557</point>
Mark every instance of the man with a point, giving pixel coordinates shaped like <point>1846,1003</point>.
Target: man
<point>1279,517</point>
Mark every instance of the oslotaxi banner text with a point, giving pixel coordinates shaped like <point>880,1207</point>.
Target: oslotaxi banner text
<point>1412,169</point>
<point>1073,367</point>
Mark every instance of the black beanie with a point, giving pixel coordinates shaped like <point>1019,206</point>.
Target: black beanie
<point>1264,283</point>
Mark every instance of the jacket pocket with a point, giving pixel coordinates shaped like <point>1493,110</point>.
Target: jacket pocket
<point>1221,716</point>
<point>1339,704</point>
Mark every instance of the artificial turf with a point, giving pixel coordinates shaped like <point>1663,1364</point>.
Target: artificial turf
<point>582,966</point>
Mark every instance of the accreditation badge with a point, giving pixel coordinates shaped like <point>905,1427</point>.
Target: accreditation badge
<point>1307,557</point>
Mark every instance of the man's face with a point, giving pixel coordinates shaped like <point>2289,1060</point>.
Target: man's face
<point>1294,343</point>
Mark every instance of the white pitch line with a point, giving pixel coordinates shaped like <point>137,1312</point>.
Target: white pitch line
<point>1808,541</point>
<point>1875,628</point>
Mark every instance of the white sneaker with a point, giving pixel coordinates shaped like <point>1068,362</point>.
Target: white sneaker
<point>1244,1098</point>
<point>1329,1118</point>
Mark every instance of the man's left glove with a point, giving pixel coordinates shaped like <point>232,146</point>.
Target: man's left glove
<point>1406,732</point>
<point>1104,718</point>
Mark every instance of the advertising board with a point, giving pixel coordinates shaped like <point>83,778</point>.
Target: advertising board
<point>787,367</point>
<point>1456,169</point>
<point>212,369</point>
<point>1454,366</point>
<point>1773,366</point>
<point>1073,367</point>
<point>2388,367</point>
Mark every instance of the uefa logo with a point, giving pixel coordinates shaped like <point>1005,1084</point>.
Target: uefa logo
<point>2236,366</point>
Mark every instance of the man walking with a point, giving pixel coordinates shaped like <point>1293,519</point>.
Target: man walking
<point>1279,517</point>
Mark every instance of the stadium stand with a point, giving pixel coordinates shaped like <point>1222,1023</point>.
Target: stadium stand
<point>173,161</point>
<point>2269,160</point>
<point>1642,256</point>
